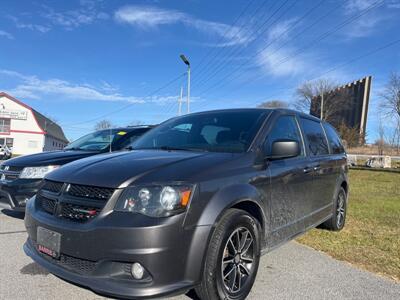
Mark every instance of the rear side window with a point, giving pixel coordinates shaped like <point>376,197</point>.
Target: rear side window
<point>315,137</point>
<point>333,139</point>
<point>285,128</point>
<point>126,139</point>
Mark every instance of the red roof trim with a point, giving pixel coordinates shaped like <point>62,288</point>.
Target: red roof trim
<point>27,131</point>
<point>3,94</point>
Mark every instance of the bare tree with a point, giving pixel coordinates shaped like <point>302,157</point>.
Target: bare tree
<point>350,136</point>
<point>391,104</point>
<point>380,142</point>
<point>273,104</point>
<point>103,124</point>
<point>310,93</point>
<point>391,95</point>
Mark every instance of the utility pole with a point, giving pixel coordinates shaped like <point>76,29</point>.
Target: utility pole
<point>186,61</point>
<point>322,105</point>
<point>110,139</point>
<point>180,102</point>
<point>188,91</point>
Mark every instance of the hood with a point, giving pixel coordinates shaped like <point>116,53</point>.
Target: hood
<point>121,169</point>
<point>49,158</point>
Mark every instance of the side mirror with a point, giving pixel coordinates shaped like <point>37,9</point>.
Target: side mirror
<point>284,149</point>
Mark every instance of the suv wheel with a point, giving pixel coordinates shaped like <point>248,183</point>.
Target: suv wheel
<point>232,258</point>
<point>338,219</point>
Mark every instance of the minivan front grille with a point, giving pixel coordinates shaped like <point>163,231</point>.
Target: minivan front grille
<point>91,192</point>
<point>48,205</point>
<point>78,213</point>
<point>85,204</point>
<point>52,186</point>
<point>76,265</point>
<point>9,173</point>
<point>11,168</point>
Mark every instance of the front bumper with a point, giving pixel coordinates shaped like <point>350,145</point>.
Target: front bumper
<point>17,192</point>
<point>98,254</point>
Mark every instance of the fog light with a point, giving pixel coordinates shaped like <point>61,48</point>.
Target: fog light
<point>137,271</point>
<point>21,199</point>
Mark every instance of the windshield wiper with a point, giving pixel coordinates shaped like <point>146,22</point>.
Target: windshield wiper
<point>171,148</point>
<point>78,149</point>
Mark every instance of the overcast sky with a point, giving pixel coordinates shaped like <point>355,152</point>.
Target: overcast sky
<point>78,61</point>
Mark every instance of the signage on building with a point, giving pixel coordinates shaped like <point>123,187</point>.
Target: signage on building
<point>13,114</point>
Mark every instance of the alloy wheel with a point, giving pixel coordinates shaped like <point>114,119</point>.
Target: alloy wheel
<point>340,210</point>
<point>237,260</point>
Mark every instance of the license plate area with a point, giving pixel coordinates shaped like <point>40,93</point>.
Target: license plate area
<point>48,242</point>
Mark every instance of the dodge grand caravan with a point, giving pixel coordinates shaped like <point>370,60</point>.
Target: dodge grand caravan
<point>193,206</point>
<point>20,177</point>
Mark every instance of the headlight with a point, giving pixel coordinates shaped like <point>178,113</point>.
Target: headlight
<point>36,172</point>
<point>155,200</point>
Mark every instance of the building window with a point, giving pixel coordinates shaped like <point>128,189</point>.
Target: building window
<point>32,144</point>
<point>5,125</point>
<point>10,142</point>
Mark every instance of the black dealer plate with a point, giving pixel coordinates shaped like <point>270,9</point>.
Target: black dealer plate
<point>48,242</point>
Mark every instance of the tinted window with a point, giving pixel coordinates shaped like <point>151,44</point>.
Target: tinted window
<point>285,128</point>
<point>125,140</point>
<point>231,131</point>
<point>315,137</point>
<point>210,133</point>
<point>333,139</point>
<point>100,140</point>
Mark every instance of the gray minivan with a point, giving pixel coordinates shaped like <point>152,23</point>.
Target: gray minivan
<point>193,206</point>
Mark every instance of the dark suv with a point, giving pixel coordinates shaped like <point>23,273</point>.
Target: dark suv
<point>20,177</point>
<point>193,206</point>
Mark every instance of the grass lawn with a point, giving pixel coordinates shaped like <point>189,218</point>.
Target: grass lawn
<point>371,236</point>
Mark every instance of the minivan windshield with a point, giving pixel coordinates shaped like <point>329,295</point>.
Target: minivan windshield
<point>218,131</point>
<point>98,140</point>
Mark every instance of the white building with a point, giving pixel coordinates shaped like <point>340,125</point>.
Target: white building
<point>25,130</point>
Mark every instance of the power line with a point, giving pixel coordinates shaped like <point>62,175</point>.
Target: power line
<point>301,50</point>
<point>130,104</point>
<point>258,34</point>
<point>277,39</point>
<point>350,61</point>
<point>239,31</point>
<point>226,32</point>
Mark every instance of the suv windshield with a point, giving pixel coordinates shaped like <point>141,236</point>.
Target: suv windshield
<point>100,140</point>
<point>231,131</point>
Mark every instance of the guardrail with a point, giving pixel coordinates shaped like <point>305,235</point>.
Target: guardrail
<point>373,161</point>
<point>373,155</point>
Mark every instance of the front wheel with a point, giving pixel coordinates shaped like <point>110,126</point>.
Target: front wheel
<point>232,258</point>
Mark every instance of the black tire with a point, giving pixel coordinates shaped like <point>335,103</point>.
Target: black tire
<point>338,219</point>
<point>239,225</point>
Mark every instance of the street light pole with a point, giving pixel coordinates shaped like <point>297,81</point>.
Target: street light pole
<point>188,91</point>
<point>180,102</point>
<point>186,61</point>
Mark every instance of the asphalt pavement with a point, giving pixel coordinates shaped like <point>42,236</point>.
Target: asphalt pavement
<point>293,271</point>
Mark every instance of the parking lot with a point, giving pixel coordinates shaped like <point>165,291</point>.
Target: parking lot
<point>290,272</point>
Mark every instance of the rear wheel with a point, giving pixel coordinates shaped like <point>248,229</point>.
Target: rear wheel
<point>338,219</point>
<point>232,258</point>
